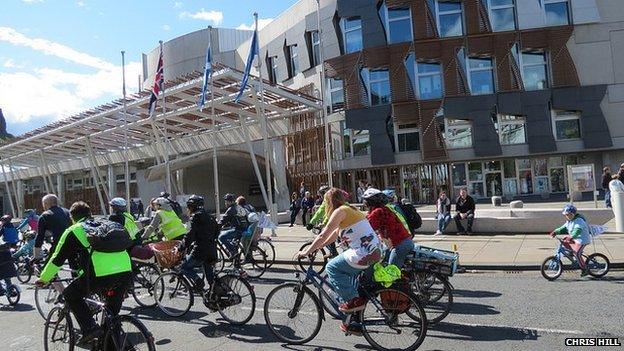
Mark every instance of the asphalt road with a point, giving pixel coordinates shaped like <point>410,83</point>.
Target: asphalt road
<point>495,311</point>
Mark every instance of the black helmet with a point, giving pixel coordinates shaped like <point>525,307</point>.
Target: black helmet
<point>195,201</point>
<point>229,197</point>
<point>164,194</point>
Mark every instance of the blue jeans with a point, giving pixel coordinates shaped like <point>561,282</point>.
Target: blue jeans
<point>188,268</point>
<point>227,237</point>
<point>607,198</point>
<point>443,221</point>
<point>399,252</point>
<point>343,277</point>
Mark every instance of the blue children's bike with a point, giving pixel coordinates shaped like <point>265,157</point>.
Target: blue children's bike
<point>596,264</point>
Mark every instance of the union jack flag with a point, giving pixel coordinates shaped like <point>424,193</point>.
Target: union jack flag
<point>159,81</point>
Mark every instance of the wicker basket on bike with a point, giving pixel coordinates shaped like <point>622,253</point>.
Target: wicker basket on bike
<point>168,253</point>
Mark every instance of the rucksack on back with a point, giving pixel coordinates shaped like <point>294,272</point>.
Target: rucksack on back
<point>413,219</point>
<point>107,236</point>
<point>175,206</point>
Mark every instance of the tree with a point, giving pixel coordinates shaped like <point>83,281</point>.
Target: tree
<point>4,135</point>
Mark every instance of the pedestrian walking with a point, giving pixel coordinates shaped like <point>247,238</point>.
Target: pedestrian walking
<point>295,207</point>
<point>606,179</point>
<point>307,204</point>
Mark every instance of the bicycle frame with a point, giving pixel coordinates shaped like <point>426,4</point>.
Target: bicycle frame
<point>567,253</point>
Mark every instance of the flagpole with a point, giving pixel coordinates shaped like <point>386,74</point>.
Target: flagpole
<point>328,151</point>
<point>167,146</point>
<point>215,162</point>
<point>126,162</point>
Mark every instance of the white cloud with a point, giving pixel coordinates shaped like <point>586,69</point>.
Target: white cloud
<point>262,22</point>
<point>178,4</point>
<point>216,17</point>
<point>11,64</point>
<point>80,3</point>
<point>166,27</point>
<point>31,1</point>
<point>14,37</point>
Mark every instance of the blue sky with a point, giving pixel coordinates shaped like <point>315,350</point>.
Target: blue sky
<point>59,57</point>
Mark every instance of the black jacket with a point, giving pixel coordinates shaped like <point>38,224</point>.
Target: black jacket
<point>465,206</point>
<point>201,240</point>
<point>606,179</point>
<point>55,220</point>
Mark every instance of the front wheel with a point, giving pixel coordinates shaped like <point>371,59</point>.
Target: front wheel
<point>319,255</point>
<point>237,300</point>
<point>173,294</point>
<point>13,294</point>
<point>551,268</point>
<point>24,273</point>
<point>58,333</point>
<point>435,294</point>
<point>597,265</point>
<point>255,264</point>
<point>129,334</point>
<point>269,250</point>
<point>143,281</point>
<point>293,313</point>
<point>45,299</point>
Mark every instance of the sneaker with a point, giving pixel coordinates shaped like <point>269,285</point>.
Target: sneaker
<point>353,305</point>
<point>90,335</point>
<point>353,328</point>
<point>437,233</point>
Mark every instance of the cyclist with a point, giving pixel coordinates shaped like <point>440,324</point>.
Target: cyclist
<point>235,220</point>
<point>362,250</point>
<point>99,271</point>
<point>251,221</point>
<point>166,220</point>
<point>119,213</point>
<point>54,219</point>
<point>8,232</point>
<point>319,218</point>
<point>578,234</point>
<point>31,220</point>
<point>388,226</point>
<point>27,248</point>
<point>200,242</point>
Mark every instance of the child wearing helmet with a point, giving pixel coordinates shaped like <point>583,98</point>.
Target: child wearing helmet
<point>577,232</point>
<point>8,233</point>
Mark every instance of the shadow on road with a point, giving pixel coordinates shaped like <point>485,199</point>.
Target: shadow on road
<point>20,307</point>
<point>155,314</point>
<point>473,309</point>
<point>480,333</point>
<point>475,293</point>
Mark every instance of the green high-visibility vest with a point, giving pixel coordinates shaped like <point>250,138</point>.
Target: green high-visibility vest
<point>170,224</point>
<point>130,225</point>
<point>104,263</point>
<point>399,215</point>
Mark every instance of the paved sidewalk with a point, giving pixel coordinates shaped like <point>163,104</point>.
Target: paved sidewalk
<point>476,251</point>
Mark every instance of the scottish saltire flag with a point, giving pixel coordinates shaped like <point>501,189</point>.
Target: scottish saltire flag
<point>253,51</point>
<point>159,81</point>
<point>207,76</point>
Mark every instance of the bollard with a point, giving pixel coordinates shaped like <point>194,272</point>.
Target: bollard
<point>617,202</point>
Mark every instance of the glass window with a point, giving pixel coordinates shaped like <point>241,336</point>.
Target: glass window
<point>557,12</point>
<point>407,137</point>
<point>567,125</point>
<point>534,70</point>
<point>541,167</point>
<point>361,142</point>
<point>377,85</point>
<point>426,78</point>
<point>346,139</point>
<point>397,23</point>
<point>459,174</point>
<point>509,167</point>
<point>352,34</point>
<point>511,129</point>
<point>335,93</point>
<point>449,18</point>
<point>475,172</point>
<point>316,48</point>
<point>273,70</point>
<point>294,60</point>
<point>481,76</point>
<point>557,180</point>
<point>492,166</point>
<point>502,15</point>
<point>458,133</point>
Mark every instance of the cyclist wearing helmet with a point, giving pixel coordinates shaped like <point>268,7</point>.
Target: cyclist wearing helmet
<point>388,226</point>
<point>31,219</point>
<point>320,218</point>
<point>233,221</point>
<point>200,242</point>
<point>119,214</point>
<point>8,233</point>
<point>166,220</point>
<point>578,233</point>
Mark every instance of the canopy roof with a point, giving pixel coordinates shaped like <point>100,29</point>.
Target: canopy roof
<point>63,145</point>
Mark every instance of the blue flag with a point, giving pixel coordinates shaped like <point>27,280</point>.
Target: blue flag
<point>207,76</point>
<point>253,51</point>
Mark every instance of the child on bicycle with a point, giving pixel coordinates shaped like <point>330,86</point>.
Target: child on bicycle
<point>578,234</point>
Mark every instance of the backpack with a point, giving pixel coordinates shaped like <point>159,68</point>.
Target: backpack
<point>175,206</point>
<point>107,236</point>
<point>413,219</point>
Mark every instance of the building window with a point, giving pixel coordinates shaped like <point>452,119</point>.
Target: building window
<point>557,12</point>
<point>361,142</point>
<point>315,45</point>
<point>566,124</point>
<point>397,23</point>
<point>481,75</point>
<point>534,70</point>
<point>511,129</point>
<point>293,55</point>
<point>351,34</point>
<point>449,18</point>
<point>407,137</point>
<point>377,86</point>
<point>335,94</point>
<point>502,15</point>
<point>458,133</point>
<point>426,78</point>
<point>273,71</point>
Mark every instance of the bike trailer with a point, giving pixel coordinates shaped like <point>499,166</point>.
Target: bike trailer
<point>434,260</point>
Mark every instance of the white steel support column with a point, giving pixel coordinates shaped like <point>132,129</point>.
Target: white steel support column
<point>95,173</point>
<point>17,185</point>
<point>112,181</point>
<point>8,189</point>
<point>254,161</point>
<point>48,187</point>
<point>125,131</point>
<point>215,167</point>
<point>328,153</point>
<point>60,188</point>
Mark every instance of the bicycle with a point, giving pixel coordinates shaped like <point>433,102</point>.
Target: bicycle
<point>26,268</point>
<point>175,294</point>
<point>267,246</point>
<point>254,262</point>
<point>596,264</point>
<point>122,332</point>
<point>383,318</point>
<point>50,295</point>
<point>321,253</point>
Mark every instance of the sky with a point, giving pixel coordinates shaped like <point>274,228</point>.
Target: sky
<point>61,57</point>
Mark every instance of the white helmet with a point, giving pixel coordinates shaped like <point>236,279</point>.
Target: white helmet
<point>118,202</point>
<point>161,201</point>
<point>370,192</point>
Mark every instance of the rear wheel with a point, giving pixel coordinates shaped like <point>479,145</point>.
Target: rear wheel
<point>13,294</point>
<point>551,268</point>
<point>255,264</point>
<point>129,334</point>
<point>319,256</point>
<point>24,273</point>
<point>237,302</point>
<point>143,280</point>
<point>597,265</point>
<point>173,294</point>
<point>58,333</point>
<point>435,295</point>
